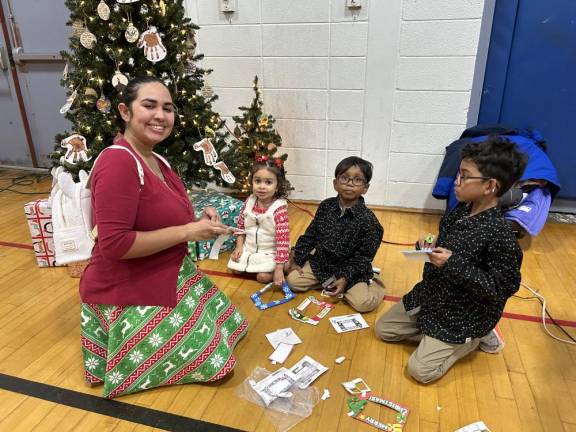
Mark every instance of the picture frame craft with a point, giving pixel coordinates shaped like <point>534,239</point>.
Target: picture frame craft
<point>297,313</point>
<point>288,295</point>
<point>358,402</point>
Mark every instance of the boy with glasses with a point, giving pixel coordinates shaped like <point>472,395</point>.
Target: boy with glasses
<point>474,268</point>
<point>337,249</point>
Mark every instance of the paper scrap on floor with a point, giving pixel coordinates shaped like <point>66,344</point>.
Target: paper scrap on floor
<point>346,323</point>
<point>356,386</point>
<point>281,353</point>
<point>306,371</point>
<point>417,255</point>
<point>474,427</point>
<point>285,335</point>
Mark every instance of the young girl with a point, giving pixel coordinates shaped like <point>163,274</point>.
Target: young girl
<point>264,246</point>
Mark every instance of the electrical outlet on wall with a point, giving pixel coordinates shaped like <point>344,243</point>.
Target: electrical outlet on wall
<point>228,5</point>
<point>353,4</point>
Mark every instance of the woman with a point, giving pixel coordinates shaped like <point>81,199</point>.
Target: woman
<point>149,317</point>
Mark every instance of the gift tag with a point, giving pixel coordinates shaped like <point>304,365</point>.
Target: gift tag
<point>103,104</point>
<point>69,101</point>
<point>131,34</point>
<point>119,81</point>
<point>87,39</point>
<point>103,10</point>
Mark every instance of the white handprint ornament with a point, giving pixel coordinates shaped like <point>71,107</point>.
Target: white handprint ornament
<point>225,172</point>
<point>151,42</point>
<point>76,149</point>
<point>210,154</point>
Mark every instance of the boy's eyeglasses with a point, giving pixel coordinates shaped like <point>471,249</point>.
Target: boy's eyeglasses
<point>462,178</point>
<point>356,181</point>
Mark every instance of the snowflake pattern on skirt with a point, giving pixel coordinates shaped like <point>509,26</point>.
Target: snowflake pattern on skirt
<point>135,348</point>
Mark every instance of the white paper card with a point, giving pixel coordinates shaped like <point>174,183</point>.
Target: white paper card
<point>215,251</point>
<point>346,323</point>
<point>417,255</point>
<point>306,371</point>
<point>285,335</point>
<point>281,353</point>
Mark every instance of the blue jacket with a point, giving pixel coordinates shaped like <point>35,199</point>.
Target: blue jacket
<point>539,166</point>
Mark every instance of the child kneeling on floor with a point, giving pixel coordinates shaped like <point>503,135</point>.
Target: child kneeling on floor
<point>474,268</point>
<point>338,247</point>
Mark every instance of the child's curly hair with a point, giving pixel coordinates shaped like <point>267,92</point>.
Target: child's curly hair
<point>276,167</point>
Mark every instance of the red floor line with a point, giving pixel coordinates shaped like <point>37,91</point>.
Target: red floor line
<point>16,245</point>
<point>510,315</point>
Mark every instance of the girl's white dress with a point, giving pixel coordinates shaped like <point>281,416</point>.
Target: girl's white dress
<point>260,243</point>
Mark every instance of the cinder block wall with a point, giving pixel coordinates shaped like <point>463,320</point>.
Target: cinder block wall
<point>391,83</point>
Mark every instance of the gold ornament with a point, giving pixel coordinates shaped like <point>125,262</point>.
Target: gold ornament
<point>162,6</point>
<point>271,147</point>
<point>263,120</point>
<point>87,39</point>
<point>103,104</point>
<point>103,10</point>
<point>90,92</point>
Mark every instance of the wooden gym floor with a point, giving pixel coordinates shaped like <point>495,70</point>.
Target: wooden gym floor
<point>530,386</point>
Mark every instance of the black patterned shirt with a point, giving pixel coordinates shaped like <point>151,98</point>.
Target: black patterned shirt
<point>345,242</point>
<point>466,297</point>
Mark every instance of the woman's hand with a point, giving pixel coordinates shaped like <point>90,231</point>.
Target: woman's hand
<point>439,256</point>
<point>236,254</point>
<point>278,277</point>
<point>211,213</point>
<point>204,229</point>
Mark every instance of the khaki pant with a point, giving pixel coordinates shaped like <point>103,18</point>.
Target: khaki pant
<point>432,359</point>
<point>362,297</point>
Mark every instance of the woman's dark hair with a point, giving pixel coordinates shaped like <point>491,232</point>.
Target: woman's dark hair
<point>349,162</point>
<point>276,168</point>
<point>498,158</point>
<point>130,94</point>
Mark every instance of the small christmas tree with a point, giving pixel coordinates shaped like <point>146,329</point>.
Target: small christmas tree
<point>131,38</point>
<point>256,136</point>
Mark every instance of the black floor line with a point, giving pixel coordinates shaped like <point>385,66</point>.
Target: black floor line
<point>111,408</point>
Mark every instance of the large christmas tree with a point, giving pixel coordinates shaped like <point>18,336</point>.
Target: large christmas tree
<point>256,138</point>
<point>115,40</point>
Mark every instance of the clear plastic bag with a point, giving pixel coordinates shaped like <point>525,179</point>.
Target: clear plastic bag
<point>285,406</point>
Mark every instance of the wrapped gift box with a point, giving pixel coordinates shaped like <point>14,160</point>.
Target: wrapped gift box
<point>76,269</point>
<point>39,217</point>
<point>229,210</point>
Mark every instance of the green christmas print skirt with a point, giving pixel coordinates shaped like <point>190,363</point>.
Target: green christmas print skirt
<point>134,348</point>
